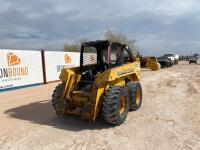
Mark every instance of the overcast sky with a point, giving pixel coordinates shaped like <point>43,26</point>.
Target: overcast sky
<point>157,26</point>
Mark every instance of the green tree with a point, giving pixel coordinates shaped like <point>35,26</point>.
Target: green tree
<point>121,38</point>
<point>74,47</point>
<point>109,35</point>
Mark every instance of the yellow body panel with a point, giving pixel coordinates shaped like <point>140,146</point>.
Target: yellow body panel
<point>89,104</point>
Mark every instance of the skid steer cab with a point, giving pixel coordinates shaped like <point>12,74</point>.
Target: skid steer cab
<point>106,84</point>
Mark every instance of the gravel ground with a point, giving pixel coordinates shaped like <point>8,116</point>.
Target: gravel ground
<point>168,119</point>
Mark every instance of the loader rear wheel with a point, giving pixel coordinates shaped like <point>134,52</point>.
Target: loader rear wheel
<point>135,93</point>
<point>115,105</point>
<point>56,96</point>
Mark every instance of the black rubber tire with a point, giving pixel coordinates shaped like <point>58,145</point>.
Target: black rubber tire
<point>168,65</point>
<point>56,96</point>
<point>111,105</point>
<point>132,87</point>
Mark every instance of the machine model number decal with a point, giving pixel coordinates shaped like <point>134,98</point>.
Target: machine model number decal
<point>124,72</point>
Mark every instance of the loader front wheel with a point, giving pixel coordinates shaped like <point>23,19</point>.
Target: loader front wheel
<point>135,93</point>
<point>56,96</point>
<point>115,105</point>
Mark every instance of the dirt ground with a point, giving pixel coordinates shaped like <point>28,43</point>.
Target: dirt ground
<point>168,119</point>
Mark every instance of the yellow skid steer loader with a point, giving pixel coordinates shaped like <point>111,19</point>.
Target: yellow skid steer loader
<point>106,83</point>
